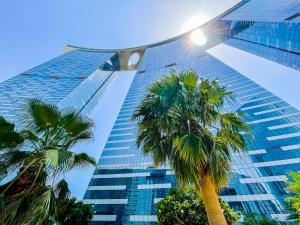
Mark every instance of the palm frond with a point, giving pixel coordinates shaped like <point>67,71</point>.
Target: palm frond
<point>83,160</point>
<point>40,115</point>
<point>12,160</point>
<point>176,120</point>
<point>191,148</point>
<point>62,190</point>
<point>34,207</point>
<point>74,126</point>
<point>9,137</point>
<point>42,207</point>
<point>57,159</point>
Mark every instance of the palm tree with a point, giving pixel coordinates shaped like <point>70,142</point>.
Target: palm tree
<point>38,161</point>
<point>181,121</point>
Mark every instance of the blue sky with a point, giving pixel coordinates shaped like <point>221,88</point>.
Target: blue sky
<point>34,31</point>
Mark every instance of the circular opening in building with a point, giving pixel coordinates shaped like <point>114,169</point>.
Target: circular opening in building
<point>197,37</point>
<point>133,60</point>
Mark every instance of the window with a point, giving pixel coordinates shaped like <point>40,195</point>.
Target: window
<point>200,56</point>
<point>141,71</point>
<point>169,65</point>
<point>53,77</point>
<point>81,78</point>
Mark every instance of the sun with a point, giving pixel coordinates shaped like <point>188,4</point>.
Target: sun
<point>196,36</point>
<point>194,22</point>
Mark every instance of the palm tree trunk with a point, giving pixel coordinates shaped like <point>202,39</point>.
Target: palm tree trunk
<point>31,176</point>
<point>211,202</point>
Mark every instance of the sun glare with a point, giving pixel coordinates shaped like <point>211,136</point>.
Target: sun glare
<point>196,36</point>
<point>194,22</point>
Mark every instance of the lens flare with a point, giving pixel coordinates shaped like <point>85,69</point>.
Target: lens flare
<point>197,37</point>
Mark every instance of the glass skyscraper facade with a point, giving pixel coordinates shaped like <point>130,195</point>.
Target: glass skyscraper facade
<point>57,82</point>
<point>125,186</point>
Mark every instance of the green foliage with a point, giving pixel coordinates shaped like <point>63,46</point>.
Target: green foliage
<point>293,187</point>
<point>181,121</point>
<point>39,155</point>
<point>256,219</point>
<point>185,207</point>
<point>9,138</point>
<point>75,212</point>
<point>70,211</point>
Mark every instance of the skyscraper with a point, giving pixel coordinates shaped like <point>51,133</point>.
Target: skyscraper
<point>62,81</point>
<point>125,186</point>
